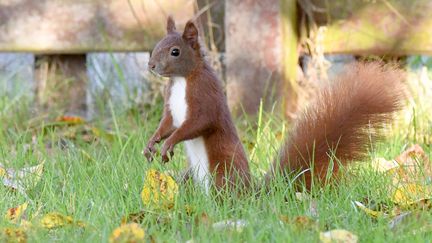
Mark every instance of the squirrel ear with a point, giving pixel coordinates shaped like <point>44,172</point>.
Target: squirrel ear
<point>190,34</point>
<point>170,25</point>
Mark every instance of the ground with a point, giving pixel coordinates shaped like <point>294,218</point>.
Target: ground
<point>96,177</point>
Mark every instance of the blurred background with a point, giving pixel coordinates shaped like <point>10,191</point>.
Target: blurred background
<point>75,57</point>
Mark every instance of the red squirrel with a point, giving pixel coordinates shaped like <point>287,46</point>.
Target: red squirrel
<point>196,112</point>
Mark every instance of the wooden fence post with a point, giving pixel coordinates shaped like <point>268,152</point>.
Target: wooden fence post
<point>253,57</point>
<point>61,83</point>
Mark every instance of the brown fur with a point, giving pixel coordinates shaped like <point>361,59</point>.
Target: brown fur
<point>366,94</point>
<point>336,123</point>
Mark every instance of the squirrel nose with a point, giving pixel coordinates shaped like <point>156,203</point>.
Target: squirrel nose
<point>151,66</point>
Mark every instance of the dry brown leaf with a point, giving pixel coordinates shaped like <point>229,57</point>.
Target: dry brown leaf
<point>411,166</point>
<point>414,166</point>
<point>412,154</point>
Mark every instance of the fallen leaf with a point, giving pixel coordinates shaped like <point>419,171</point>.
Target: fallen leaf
<point>56,220</point>
<point>127,233</point>
<point>133,218</point>
<point>415,166</point>
<point>301,222</point>
<point>237,225</point>
<point>159,190</point>
<point>108,135</point>
<point>15,214</point>
<point>10,234</point>
<point>304,222</point>
<point>2,171</point>
<point>24,179</point>
<point>202,219</point>
<point>71,120</point>
<point>411,166</point>
<point>338,235</point>
<point>411,155</point>
<point>412,194</point>
<point>284,219</point>
<point>383,165</point>
<point>369,212</point>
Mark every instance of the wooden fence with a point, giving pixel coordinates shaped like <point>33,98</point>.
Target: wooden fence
<point>262,41</point>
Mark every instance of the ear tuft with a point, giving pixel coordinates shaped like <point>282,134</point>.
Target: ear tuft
<point>170,25</point>
<point>190,34</point>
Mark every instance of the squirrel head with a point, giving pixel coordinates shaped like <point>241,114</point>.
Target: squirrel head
<point>176,54</point>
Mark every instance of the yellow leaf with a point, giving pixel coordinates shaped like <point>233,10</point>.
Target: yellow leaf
<point>370,212</point>
<point>410,194</point>
<point>2,171</point>
<point>304,222</point>
<point>338,235</point>
<point>72,120</point>
<point>103,134</point>
<point>55,220</point>
<point>159,190</point>
<point>189,209</point>
<point>14,214</point>
<point>301,222</point>
<point>13,235</point>
<point>127,233</point>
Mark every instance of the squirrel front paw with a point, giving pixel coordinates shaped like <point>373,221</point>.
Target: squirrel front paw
<point>167,151</point>
<point>149,151</point>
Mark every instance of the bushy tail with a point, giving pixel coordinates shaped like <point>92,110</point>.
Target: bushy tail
<point>336,123</point>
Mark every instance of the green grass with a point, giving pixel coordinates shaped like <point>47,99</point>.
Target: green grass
<point>99,182</point>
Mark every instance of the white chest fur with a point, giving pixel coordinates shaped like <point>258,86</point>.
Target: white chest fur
<point>177,101</point>
<point>195,148</point>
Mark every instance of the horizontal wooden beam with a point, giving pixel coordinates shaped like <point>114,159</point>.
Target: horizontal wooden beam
<point>394,27</point>
<point>70,26</point>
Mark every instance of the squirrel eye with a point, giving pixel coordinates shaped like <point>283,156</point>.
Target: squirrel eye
<point>175,52</point>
